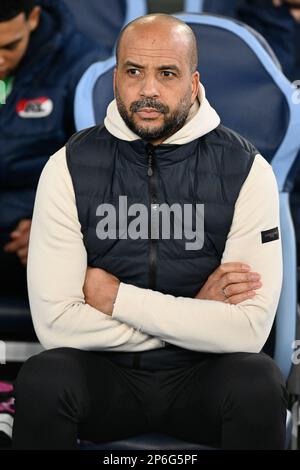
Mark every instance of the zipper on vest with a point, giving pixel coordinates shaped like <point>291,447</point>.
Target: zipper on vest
<point>150,164</point>
<point>152,174</point>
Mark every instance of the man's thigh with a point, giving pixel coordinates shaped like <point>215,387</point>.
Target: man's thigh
<point>118,400</point>
<point>78,395</point>
<point>199,397</point>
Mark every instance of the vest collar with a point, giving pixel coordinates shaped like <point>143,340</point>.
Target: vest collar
<point>138,152</point>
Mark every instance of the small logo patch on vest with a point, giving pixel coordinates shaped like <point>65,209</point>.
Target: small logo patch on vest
<point>270,235</point>
<point>35,108</point>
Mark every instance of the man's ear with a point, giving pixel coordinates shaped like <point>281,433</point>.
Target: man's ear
<point>195,85</point>
<point>115,79</point>
<point>34,18</point>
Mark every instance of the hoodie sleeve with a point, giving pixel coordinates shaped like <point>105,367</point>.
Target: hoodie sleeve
<point>57,263</point>
<point>214,326</point>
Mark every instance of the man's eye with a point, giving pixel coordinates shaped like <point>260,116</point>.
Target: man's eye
<point>168,74</point>
<point>11,47</point>
<point>133,72</point>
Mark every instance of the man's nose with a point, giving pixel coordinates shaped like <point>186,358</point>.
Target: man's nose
<point>2,61</point>
<point>149,87</point>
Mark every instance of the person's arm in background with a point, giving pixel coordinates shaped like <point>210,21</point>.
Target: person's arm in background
<point>57,264</point>
<point>293,5</point>
<point>20,240</point>
<point>76,66</point>
<point>207,325</point>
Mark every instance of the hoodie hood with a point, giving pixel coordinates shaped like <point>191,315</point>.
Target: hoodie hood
<point>201,120</point>
<point>54,31</point>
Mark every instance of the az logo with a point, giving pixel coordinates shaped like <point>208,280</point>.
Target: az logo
<point>35,108</point>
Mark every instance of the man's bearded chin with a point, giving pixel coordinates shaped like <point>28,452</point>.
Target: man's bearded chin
<point>172,121</point>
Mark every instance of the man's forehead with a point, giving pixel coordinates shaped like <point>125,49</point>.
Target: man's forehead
<point>6,39</point>
<point>151,52</point>
<point>12,29</point>
<point>154,38</point>
<point>144,54</point>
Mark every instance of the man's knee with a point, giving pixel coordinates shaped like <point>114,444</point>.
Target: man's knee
<point>46,375</point>
<point>256,382</point>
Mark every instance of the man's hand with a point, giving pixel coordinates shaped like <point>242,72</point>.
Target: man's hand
<point>295,12</point>
<point>100,289</point>
<point>20,240</point>
<point>231,283</point>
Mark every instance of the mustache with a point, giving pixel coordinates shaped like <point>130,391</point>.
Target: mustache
<point>148,103</point>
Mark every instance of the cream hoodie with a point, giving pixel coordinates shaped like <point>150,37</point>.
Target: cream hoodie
<point>144,319</point>
<point>200,121</point>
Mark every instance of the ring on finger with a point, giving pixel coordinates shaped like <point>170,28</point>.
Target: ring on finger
<point>224,292</point>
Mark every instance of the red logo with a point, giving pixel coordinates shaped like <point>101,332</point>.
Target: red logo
<point>35,108</point>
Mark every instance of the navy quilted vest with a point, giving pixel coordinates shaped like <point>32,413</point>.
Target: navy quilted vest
<point>209,170</point>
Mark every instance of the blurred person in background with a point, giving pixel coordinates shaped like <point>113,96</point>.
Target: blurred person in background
<point>293,6</point>
<point>42,58</point>
<point>276,20</point>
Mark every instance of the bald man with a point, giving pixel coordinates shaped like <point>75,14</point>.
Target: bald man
<point>154,268</point>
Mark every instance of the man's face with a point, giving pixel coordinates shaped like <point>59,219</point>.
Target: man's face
<point>153,82</point>
<point>14,39</point>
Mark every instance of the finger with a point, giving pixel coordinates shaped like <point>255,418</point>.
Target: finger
<point>24,242</point>
<point>15,234</point>
<point>18,243</point>
<point>229,267</point>
<point>22,229</point>
<point>234,278</point>
<point>21,242</point>
<point>296,14</point>
<point>240,288</point>
<point>277,3</point>
<point>237,299</point>
<point>23,225</point>
<point>23,260</point>
<point>23,252</point>
<point>12,247</point>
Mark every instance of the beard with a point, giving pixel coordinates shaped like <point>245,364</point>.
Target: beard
<point>172,121</point>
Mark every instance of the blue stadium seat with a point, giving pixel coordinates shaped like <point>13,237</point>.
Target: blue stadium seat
<point>103,20</point>
<point>219,7</point>
<point>245,84</point>
<point>16,327</point>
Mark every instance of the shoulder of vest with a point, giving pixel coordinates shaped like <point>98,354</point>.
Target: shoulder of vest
<point>231,139</point>
<point>88,136</point>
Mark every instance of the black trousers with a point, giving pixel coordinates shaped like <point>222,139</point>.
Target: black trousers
<point>232,401</point>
